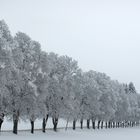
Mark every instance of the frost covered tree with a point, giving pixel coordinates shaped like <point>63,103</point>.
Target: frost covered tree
<point>92,94</point>
<point>6,41</point>
<point>132,88</point>
<point>26,57</point>
<point>41,84</point>
<point>63,69</point>
<point>35,84</point>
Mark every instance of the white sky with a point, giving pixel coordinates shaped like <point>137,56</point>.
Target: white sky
<point>103,35</point>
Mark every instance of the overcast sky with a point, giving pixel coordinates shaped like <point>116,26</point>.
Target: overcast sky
<point>103,35</point>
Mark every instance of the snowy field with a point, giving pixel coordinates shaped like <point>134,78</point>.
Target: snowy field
<point>78,134</point>
<point>109,134</point>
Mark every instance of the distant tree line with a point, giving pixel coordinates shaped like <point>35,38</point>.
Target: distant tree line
<point>35,84</point>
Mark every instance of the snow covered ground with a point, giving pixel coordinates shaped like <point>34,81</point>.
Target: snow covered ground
<point>8,125</point>
<point>109,134</point>
<point>78,134</point>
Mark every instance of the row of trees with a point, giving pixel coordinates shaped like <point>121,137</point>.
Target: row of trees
<point>38,85</point>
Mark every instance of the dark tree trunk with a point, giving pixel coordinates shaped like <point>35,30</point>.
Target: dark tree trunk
<point>123,124</point>
<point>44,123</point>
<point>15,126</point>
<point>81,122</point>
<point>113,124</point>
<point>15,121</point>
<point>32,127</point>
<point>88,123</point>
<point>133,124</point>
<point>118,124</point>
<point>1,121</point>
<point>93,124</point>
<point>106,125</point>
<point>55,122</point>
<point>102,125</point>
<point>74,124</point>
<point>109,124</point>
<point>128,124</point>
<point>99,124</point>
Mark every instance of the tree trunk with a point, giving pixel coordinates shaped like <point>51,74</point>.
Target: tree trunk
<point>44,123</point>
<point>129,123</point>
<point>133,124</point>
<point>113,124</point>
<point>88,123</point>
<point>118,124</point>
<point>109,124</point>
<point>99,124</point>
<point>32,127</point>
<point>102,125</point>
<point>123,124</point>
<point>55,122</point>
<point>74,124</point>
<point>15,121</point>
<point>106,125</point>
<point>93,124</point>
<point>1,121</point>
<point>15,126</point>
<point>81,122</point>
